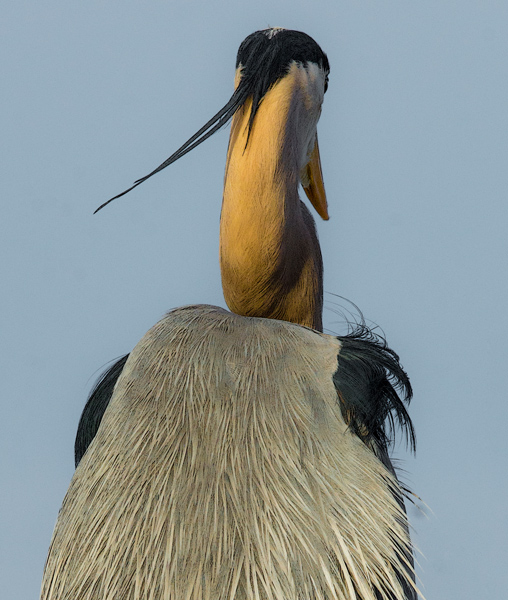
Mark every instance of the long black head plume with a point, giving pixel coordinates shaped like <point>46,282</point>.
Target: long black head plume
<point>264,57</point>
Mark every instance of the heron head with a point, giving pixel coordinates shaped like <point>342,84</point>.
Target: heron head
<point>265,59</point>
<point>291,64</point>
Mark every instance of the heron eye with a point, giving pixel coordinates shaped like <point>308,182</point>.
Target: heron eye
<point>326,83</point>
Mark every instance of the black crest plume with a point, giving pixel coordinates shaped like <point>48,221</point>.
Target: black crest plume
<point>264,57</point>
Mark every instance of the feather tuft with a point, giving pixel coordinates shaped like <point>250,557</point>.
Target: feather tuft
<point>95,408</point>
<point>369,379</point>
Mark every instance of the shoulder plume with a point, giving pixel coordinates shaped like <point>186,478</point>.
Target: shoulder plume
<point>95,408</point>
<point>373,388</point>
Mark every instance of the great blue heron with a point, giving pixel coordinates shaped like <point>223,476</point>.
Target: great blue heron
<point>244,457</point>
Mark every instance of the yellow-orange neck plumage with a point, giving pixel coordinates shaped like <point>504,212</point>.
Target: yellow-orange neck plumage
<point>270,258</point>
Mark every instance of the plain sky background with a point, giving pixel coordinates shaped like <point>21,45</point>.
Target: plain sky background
<point>413,140</point>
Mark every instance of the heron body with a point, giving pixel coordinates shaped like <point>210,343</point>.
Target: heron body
<point>223,469</point>
<point>245,455</point>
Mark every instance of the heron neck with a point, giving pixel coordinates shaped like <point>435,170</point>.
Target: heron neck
<point>270,258</point>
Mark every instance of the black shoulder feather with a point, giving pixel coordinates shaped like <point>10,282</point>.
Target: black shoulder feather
<point>368,380</point>
<point>95,408</point>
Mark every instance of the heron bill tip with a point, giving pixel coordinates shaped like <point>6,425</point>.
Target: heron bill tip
<point>313,185</point>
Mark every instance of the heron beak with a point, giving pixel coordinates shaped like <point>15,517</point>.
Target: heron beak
<point>312,183</point>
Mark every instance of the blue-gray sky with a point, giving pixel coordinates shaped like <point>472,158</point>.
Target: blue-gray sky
<point>413,142</point>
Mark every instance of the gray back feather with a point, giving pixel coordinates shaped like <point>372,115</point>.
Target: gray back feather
<point>223,469</point>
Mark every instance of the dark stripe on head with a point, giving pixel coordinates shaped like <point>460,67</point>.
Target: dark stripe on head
<point>266,56</point>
